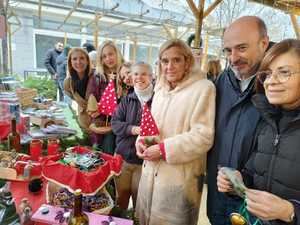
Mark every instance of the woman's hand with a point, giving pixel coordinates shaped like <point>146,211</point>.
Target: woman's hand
<point>152,153</point>
<point>94,114</point>
<point>135,130</point>
<point>223,183</point>
<point>140,148</point>
<point>267,206</point>
<point>100,130</point>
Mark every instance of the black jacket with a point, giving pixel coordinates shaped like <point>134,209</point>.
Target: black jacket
<point>50,60</point>
<point>275,163</point>
<point>127,115</point>
<point>236,120</point>
<point>61,65</point>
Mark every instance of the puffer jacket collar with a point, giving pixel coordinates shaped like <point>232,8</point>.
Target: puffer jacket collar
<point>272,113</point>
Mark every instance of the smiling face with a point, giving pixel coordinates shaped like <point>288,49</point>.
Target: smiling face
<point>109,57</point>
<point>141,77</point>
<point>125,75</point>
<point>284,94</point>
<point>79,62</point>
<point>173,65</point>
<point>244,47</point>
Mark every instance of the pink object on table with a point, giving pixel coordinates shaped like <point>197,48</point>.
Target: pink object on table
<point>94,219</point>
<point>36,149</point>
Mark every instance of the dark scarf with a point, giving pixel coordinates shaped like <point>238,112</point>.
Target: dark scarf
<point>80,86</point>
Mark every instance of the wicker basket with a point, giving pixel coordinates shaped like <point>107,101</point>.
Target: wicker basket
<point>26,96</point>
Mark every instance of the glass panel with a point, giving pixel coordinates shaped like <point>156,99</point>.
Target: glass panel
<point>43,43</point>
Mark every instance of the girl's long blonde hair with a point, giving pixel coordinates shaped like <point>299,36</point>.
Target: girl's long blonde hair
<point>100,67</point>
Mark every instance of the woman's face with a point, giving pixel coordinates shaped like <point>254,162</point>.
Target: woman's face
<point>126,76</point>
<point>79,62</point>
<point>141,77</point>
<point>284,94</point>
<point>109,57</point>
<point>173,65</point>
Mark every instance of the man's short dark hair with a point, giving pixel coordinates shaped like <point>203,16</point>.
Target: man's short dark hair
<point>89,47</point>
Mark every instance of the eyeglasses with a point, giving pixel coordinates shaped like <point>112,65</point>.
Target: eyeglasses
<point>280,75</point>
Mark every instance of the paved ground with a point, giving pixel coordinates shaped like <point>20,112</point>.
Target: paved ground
<point>203,220</point>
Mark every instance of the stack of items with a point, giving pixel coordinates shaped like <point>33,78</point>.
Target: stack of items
<point>57,129</point>
<point>26,96</point>
<point>74,170</point>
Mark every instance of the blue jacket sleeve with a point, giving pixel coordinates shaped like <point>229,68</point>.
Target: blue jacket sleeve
<point>119,124</point>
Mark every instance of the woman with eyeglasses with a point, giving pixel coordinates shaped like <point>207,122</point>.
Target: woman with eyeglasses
<point>272,172</point>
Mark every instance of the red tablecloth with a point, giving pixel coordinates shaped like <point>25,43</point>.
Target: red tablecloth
<point>20,190</point>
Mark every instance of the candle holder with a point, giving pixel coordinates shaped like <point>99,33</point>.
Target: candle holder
<point>53,146</point>
<point>36,149</point>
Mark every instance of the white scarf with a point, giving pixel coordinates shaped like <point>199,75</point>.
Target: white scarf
<point>145,94</point>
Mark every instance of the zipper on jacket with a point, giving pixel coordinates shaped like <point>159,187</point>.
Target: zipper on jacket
<point>276,140</point>
<point>271,168</point>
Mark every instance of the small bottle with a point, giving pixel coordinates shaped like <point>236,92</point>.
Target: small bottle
<point>78,217</point>
<point>14,139</point>
<point>27,170</point>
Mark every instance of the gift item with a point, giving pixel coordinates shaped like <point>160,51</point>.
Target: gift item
<point>100,203</point>
<point>84,162</point>
<point>25,212</point>
<point>72,178</point>
<point>94,219</point>
<point>26,96</point>
<point>27,170</point>
<point>8,209</point>
<point>149,130</point>
<point>35,149</point>
<point>53,146</point>
<point>108,101</point>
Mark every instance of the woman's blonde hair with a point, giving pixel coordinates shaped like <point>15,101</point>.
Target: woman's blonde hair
<point>185,51</point>
<point>71,71</point>
<point>100,67</point>
<point>214,68</point>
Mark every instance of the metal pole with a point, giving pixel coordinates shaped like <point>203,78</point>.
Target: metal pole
<point>10,48</point>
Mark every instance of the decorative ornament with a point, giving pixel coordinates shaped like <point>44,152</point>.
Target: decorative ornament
<point>149,128</point>
<point>108,102</point>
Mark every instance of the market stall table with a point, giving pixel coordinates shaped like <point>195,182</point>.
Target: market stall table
<point>94,219</point>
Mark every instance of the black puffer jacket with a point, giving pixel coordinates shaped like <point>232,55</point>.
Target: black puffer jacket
<point>275,164</point>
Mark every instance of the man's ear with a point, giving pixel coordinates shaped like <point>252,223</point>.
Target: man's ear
<point>265,42</point>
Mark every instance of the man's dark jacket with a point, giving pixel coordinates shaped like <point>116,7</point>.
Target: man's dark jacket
<point>236,122</point>
<point>61,65</point>
<point>127,115</point>
<point>50,60</point>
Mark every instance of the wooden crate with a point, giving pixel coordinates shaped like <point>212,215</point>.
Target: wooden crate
<point>26,96</point>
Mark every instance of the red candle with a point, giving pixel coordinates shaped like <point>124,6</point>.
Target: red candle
<point>53,146</point>
<point>35,149</point>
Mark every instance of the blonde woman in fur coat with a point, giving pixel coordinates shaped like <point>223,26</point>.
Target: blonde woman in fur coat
<point>184,110</point>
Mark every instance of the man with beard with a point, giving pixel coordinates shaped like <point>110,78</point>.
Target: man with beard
<point>244,44</point>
